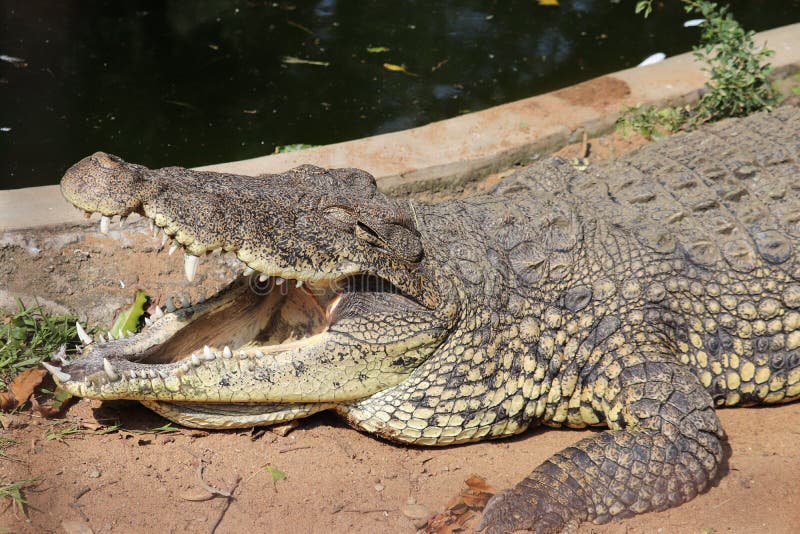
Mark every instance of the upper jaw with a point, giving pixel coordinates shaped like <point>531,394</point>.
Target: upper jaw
<point>276,225</point>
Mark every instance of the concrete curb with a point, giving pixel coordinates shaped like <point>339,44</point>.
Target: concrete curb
<point>467,147</point>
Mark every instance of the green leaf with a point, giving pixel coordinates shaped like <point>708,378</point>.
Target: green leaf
<point>275,473</point>
<point>280,149</point>
<point>128,320</point>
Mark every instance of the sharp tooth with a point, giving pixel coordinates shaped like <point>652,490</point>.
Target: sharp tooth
<point>226,352</point>
<point>79,349</point>
<point>164,239</point>
<point>332,305</point>
<point>242,355</point>
<point>279,280</point>
<point>60,355</point>
<point>263,278</point>
<point>110,371</point>
<point>105,222</point>
<point>132,373</point>
<point>143,373</point>
<point>57,372</point>
<point>156,230</point>
<point>299,283</point>
<point>259,354</point>
<point>216,251</point>
<point>208,354</point>
<point>152,224</point>
<point>102,339</point>
<point>163,374</point>
<point>148,321</point>
<point>194,360</point>
<point>190,266</point>
<point>184,367</point>
<point>248,271</point>
<point>159,312</point>
<point>173,248</point>
<point>151,373</point>
<point>122,220</point>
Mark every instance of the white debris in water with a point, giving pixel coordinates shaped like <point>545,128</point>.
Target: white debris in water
<point>11,59</point>
<point>693,22</point>
<point>651,60</point>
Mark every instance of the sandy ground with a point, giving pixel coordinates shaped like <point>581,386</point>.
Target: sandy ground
<point>336,479</point>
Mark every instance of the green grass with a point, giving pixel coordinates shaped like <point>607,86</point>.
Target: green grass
<point>29,335</point>
<point>281,149</point>
<point>13,491</point>
<point>61,430</point>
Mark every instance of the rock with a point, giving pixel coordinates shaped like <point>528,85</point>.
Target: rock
<point>73,526</point>
<point>417,513</point>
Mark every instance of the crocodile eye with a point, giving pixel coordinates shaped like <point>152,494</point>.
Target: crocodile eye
<point>365,233</point>
<point>341,216</point>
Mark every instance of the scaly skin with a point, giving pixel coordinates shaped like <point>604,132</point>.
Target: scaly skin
<point>636,295</point>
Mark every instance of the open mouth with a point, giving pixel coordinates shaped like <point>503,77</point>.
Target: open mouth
<point>257,318</point>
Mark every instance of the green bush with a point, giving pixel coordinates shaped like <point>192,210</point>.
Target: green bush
<point>739,75</point>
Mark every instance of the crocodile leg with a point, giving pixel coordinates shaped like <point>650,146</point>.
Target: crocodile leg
<point>662,449</point>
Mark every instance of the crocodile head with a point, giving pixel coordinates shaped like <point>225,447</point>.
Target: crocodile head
<point>339,301</point>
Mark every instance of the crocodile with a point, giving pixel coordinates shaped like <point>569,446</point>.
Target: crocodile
<point>639,295</point>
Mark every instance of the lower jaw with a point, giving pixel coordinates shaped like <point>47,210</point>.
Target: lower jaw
<point>243,322</point>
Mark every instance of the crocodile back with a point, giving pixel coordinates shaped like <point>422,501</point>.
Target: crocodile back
<point>729,194</point>
<point>695,238</point>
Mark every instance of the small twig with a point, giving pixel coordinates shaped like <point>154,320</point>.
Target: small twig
<point>300,27</point>
<point>586,145</point>
<point>413,212</point>
<point>190,451</point>
<point>78,507</point>
<point>369,510</point>
<point>225,506</point>
<point>723,502</point>
<point>292,449</point>
<point>211,489</point>
<point>440,65</point>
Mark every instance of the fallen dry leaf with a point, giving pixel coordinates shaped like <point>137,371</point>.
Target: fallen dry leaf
<point>48,412</point>
<point>21,389</point>
<point>478,483</point>
<point>461,508</point>
<point>398,68</point>
<point>196,495</point>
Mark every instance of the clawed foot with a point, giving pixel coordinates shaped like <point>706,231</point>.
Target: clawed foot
<point>511,511</point>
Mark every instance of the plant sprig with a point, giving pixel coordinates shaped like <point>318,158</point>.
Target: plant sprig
<point>738,69</point>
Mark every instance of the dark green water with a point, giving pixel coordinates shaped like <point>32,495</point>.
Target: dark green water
<point>192,83</point>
